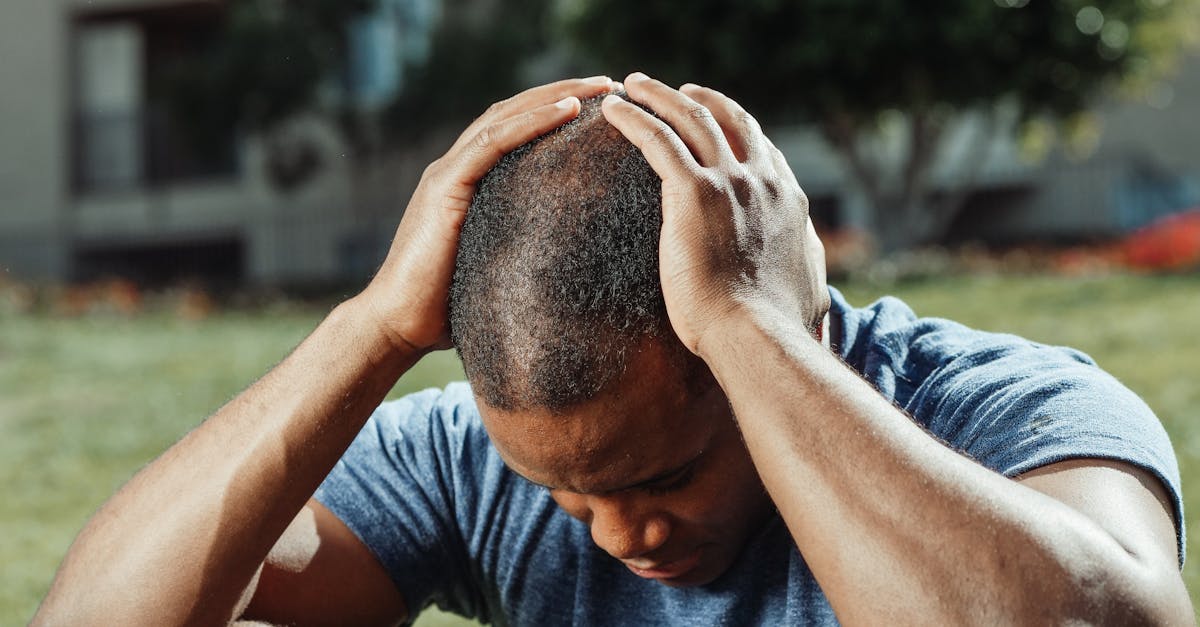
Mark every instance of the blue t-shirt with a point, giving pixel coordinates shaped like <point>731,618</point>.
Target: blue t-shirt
<point>423,488</point>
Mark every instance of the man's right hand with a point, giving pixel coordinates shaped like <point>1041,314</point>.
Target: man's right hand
<point>408,296</point>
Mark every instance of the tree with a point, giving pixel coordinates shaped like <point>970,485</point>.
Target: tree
<point>853,66</point>
<point>273,60</point>
<point>267,63</point>
<point>271,63</point>
<point>478,56</point>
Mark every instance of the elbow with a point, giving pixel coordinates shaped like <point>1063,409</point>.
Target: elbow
<point>1151,597</point>
<point>1131,594</point>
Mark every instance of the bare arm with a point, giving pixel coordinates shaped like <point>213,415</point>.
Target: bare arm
<point>874,485</point>
<point>183,539</point>
<point>182,542</point>
<point>858,483</point>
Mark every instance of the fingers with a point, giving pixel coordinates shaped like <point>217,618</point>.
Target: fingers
<point>664,150</point>
<point>580,88</point>
<point>545,94</point>
<point>693,121</point>
<point>742,132</point>
<point>484,148</point>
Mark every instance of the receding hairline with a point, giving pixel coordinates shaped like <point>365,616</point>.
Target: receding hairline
<point>562,234</point>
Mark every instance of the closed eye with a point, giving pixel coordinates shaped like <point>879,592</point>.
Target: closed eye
<point>671,484</point>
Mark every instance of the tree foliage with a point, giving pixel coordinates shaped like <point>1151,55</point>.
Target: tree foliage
<point>267,62</point>
<point>273,59</point>
<point>478,54</point>
<point>843,64</point>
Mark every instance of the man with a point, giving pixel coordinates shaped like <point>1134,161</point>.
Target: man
<point>672,432</point>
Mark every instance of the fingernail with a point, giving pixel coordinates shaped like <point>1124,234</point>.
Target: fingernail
<point>597,80</point>
<point>566,103</point>
<point>609,99</point>
<point>688,86</point>
<point>635,77</point>
<point>618,87</point>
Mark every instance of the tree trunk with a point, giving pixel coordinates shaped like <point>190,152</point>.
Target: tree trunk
<point>906,213</point>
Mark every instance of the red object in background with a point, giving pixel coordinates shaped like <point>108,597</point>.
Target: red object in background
<point>1170,243</point>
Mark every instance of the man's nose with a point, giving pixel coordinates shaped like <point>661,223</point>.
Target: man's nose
<point>622,531</point>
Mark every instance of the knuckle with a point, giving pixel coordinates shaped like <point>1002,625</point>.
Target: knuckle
<point>659,134</point>
<point>742,118</point>
<point>495,107</point>
<point>485,138</point>
<point>699,112</point>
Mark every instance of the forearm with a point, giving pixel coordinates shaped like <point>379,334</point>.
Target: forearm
<point>892,522</point>
<point>183,539</point>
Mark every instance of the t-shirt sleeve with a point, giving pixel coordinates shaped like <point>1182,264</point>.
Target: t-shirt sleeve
<point>1015,405</point>
<point>394,488</point>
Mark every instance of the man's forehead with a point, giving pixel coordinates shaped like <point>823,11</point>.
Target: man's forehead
<point>639,433</point>
<point>605,480</point>
<point>647,421</point>
<point>595,450</point>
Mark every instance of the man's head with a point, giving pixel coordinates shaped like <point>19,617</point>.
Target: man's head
<point>557,270</point>
<point>557,312</point>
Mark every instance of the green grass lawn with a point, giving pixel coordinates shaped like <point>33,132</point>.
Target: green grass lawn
<point>86,402</point>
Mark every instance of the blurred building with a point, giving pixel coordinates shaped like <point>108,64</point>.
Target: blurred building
<point>1144,164</point>
<point>96,178</point>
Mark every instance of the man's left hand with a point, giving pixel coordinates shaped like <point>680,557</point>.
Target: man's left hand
<point>736,237</point>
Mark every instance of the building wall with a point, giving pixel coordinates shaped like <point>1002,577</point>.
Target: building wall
<point>1161,122</point>
<point>33,138</point>
<point>1146,164</point>
<point>328,229</point>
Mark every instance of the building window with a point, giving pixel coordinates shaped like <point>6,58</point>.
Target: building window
<point>108,58</point>
<point>125,136</point>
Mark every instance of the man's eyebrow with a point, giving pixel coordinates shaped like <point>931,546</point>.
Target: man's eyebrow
<point>666,474</point>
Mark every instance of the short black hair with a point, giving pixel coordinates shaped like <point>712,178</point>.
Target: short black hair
<point>556,279</point>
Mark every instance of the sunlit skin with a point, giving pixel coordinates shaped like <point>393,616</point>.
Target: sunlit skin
<point>660,475</point>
